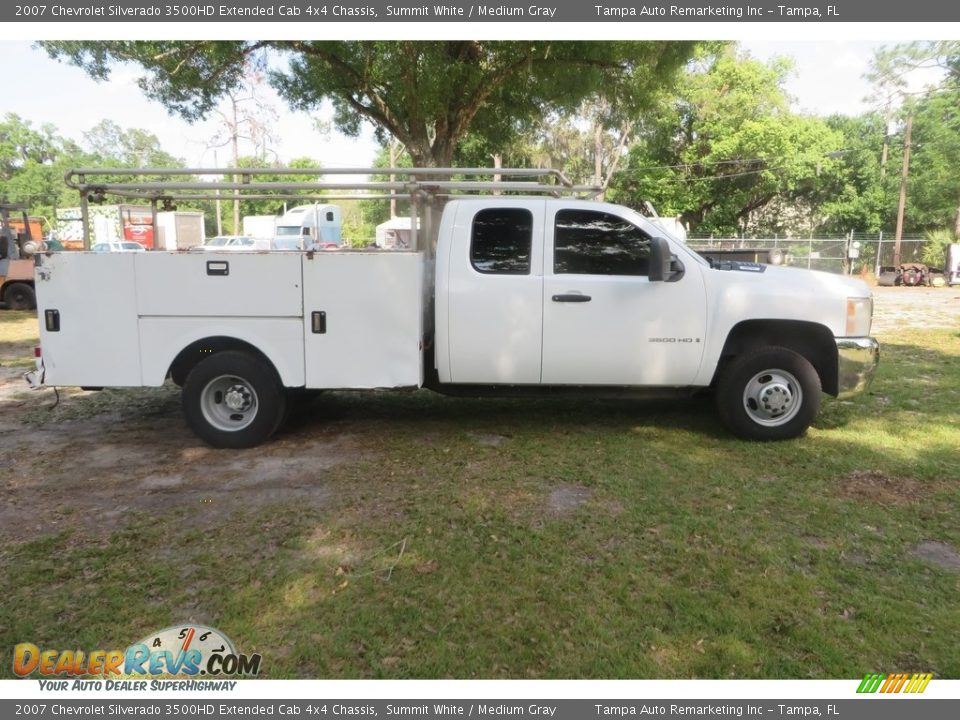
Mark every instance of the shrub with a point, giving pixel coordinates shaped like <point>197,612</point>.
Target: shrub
<point>935,246</point>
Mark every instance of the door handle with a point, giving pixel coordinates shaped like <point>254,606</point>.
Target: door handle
<point>571,297</point>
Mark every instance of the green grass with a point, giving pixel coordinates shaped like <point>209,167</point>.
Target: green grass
<point>18,334</point>
<point>554,539</point>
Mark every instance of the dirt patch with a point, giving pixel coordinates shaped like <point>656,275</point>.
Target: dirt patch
<point>100,473</point>
<point>564,499</point>
<point>488,440</point>
<point>913,307</point>
<point>938,553</point>
<point>874,486</point>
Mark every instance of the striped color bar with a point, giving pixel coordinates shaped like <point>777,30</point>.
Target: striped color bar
<point>895,683</point>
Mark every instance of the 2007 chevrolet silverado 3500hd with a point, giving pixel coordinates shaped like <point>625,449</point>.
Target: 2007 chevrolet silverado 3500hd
<point>524,293</point>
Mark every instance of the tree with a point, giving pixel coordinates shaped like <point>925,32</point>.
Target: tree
<point>934,185</point>
<point>245,115</point>
<point>427,95</point>
<point>375,212</point>
<point>852,193</point>
<point>278,206</point>
<point>113,145</point>
<point>727,147</point>
<point>32,164</point>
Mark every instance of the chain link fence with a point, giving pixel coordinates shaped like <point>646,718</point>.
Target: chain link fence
<point>847,254</point>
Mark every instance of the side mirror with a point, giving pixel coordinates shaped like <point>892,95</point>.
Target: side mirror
<point>664,267</point>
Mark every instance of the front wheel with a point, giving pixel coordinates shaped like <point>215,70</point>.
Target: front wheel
<point>234,400</point>
<point>768,394</point>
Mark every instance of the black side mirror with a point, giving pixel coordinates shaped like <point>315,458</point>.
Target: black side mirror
<point>664,267</point>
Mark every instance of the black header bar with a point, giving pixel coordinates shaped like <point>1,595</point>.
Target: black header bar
<point>465,11</point>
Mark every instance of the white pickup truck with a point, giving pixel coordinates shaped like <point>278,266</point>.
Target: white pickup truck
<point>524,294</point>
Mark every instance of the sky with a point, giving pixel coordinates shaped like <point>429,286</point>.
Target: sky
<point>827,78</point>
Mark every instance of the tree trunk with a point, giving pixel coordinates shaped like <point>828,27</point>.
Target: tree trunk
<point>235,148</point>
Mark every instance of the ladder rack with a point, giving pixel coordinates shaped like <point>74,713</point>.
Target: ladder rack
<point>423,186</point>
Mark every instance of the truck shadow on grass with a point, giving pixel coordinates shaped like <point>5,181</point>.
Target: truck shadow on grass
<point>427,411</point>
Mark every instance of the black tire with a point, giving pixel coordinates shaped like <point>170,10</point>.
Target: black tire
<point>252,385</point>
<point>770,393</point>
<point>20,296</point>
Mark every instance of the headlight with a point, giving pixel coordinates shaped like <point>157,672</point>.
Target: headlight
<point>859,316</point>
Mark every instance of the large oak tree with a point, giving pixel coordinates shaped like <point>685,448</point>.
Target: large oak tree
<point>427,95</point>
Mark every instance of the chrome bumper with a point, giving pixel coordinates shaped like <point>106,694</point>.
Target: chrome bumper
<point>857,360</point>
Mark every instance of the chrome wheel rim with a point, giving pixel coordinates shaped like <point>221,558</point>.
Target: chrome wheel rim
<point>229,403</point>
<point>772,398</point>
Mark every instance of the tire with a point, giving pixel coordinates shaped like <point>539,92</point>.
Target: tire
<point>771,393</point>
<point>234,400</point>
<point>20,296</point>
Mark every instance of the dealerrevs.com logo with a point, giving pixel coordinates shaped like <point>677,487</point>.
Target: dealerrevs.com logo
<point>181,651</point>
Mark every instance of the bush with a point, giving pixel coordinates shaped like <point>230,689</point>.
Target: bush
<point>934,248</point>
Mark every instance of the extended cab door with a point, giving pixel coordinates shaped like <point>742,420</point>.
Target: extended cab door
<point>604,322</point>
<point>489,276</point>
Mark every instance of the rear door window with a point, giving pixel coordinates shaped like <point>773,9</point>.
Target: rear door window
<point>501,241</point>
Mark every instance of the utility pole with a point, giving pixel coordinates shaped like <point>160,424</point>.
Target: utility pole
<point>903,191</point>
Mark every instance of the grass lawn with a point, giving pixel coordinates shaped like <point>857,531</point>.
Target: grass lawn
<point>18,333</point>
<point>556,539</point>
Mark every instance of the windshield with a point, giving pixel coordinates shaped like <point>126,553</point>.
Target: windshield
<point>289,230</point>
<point>217,241</point>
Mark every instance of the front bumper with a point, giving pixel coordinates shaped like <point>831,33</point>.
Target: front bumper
<point>857,360</point>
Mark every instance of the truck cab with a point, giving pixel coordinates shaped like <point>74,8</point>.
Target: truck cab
<point>573,293</point>
<point>309,227</point>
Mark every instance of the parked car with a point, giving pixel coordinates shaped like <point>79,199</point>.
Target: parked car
<point>230,243</point>
<point>125,246</point>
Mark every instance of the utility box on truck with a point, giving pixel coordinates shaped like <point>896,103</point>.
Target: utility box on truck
<point>180,230</point>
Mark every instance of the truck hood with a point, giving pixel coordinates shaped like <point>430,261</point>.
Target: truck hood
<point>762,292</point>
<point>797,279</point>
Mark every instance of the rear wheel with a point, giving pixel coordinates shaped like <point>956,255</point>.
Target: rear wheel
<point>769,394</point>
<point>20,296</point>
<point>234,399</point>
